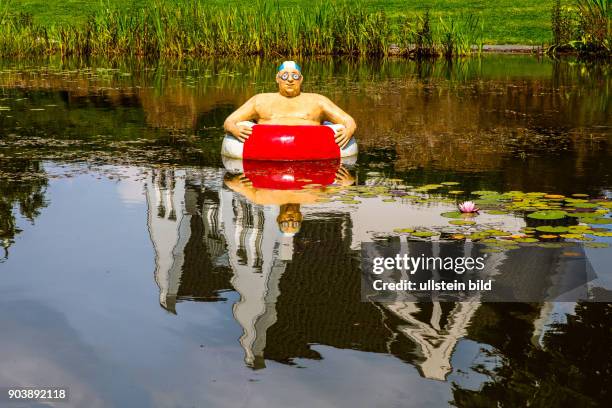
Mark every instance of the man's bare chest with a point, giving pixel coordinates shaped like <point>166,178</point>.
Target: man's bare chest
<point>294,108</point>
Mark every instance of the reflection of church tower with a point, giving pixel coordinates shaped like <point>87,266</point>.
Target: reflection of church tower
<point>183,226</point>
<point>436,327</point>
<point>319,301</point>
<point>253,248</point>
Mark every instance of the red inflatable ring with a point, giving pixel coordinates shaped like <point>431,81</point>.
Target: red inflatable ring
<point>288,143</point>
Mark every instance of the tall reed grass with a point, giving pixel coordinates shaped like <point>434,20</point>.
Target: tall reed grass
<point>195,28</point>
<point>583,26</point>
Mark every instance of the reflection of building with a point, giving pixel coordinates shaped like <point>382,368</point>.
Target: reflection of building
<point>189,251</point>
<point>209,240</point>
<point>253,249</point>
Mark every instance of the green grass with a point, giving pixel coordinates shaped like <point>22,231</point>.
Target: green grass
<point>505,21</point>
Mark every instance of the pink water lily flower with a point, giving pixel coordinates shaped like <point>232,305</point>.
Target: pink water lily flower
<point>468,207</point>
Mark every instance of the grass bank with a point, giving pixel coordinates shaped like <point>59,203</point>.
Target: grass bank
<point>506,21</point>
<point>274,28</point>
<point>187,27</point>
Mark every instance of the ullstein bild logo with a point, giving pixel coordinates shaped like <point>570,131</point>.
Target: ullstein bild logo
<point>450,271</point>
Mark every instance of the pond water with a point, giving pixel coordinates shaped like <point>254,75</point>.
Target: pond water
<point>140,269</point>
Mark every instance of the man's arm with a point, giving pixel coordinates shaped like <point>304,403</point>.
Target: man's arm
<point>336,115</point>
<point>245,112</point>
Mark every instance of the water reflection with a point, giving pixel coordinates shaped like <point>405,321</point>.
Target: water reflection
<point>498,119</point>
<point>266,241</point>
<point>22,188</point>
<point>292,259</point>
<point>297,287</point>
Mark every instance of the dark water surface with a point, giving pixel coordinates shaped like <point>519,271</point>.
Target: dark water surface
<point>137,271</point>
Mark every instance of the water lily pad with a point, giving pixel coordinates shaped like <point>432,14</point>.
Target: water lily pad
<point>596,220</point>
<point>548,215</point>
<point>603,234</point>
<point>490,241</point>
<point>584,205</point>
<point>456,192</point>
<point>497,233</point>
<point>477,236</point>
<point>403,230</point>
<point>548,228</point>
<point>451,214</point>
<point>526,240</point>
<point>554,196</point>
<point>579,195</point>
<point>484,192</point>
<point>597,245</point>
<point>449,183</point>
<point>572,236</point>
<point>496,212</point>
<point>389,200</point>
<point>423,234</point>
<point>549,236</point>
<point>551,245</point>
<point>462,222</point>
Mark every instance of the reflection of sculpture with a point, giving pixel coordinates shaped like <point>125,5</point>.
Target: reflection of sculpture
<point>281,184</point>
<point>258,288</point>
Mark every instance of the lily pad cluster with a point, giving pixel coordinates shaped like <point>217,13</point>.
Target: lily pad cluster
<point>556,220</point>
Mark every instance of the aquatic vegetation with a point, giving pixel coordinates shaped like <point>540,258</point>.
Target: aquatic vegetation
<point>452,214</point>
<point>526,240</point>
<point>597,245</point>
<point>462,222</point>
<point>548,228</point>
<point>184,27</point>
<point>584,28</point>
<point>403,230</point>
<point>548,215</point>
<point>423,234</point>
<point>459,36</point>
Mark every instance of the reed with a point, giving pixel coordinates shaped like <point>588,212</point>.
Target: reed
<point>582,26</point>
<point>194,28</point>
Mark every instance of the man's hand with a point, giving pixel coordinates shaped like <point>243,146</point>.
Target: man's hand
<point>242,132</point>
<point>342,137</point>
<point>244,181</point>
<point>344,177</point>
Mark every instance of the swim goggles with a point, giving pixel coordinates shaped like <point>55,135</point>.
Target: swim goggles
<point>285,76</point>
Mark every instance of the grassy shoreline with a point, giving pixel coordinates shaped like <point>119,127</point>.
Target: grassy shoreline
<point>506,21</point>
<point>211,28</point>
